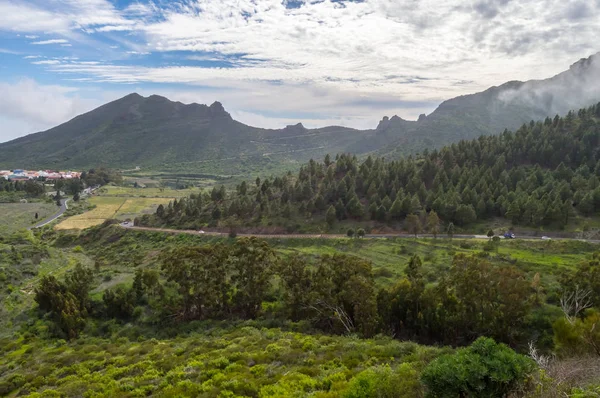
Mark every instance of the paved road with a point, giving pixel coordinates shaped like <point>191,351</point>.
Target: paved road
<point>63,208</point>
<point>328,236</point>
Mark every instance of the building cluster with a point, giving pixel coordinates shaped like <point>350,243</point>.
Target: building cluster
<point>24,175</point>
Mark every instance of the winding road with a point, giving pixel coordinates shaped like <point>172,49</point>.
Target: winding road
<point>328,236</point>
<point>63,208</point>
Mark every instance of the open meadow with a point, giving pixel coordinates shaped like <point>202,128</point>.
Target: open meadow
<point>15,216</point>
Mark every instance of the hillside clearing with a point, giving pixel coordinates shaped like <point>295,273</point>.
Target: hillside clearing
<point>108,207</point>
<point>22,215</point>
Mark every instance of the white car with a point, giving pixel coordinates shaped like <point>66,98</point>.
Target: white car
<point>201,232</point>
<point>546,238</point>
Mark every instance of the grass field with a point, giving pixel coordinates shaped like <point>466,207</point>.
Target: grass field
<point>15,216</point>
<point>108,207</point>
<point>390,256</point>
<point>146,192</point>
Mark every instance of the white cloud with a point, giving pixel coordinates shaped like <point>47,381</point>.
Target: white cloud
<point>52,41</point>
<point>47,62</point>
<point>7,51</point>
<point>351,60</point>
<point>28,107</point>
<point>31,37</point>
<point>424,49</point>
<point>21,17</point>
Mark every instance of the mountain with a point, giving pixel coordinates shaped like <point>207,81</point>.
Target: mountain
<point>507,106</point>
<point>154,132</point>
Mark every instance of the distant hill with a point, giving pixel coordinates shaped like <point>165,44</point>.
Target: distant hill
<point>156,133</point>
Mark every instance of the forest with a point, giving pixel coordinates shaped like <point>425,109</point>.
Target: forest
<point>541,175</point>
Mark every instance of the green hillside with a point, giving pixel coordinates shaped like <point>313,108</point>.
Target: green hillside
<point>543,175</point>
<point>154,132</point>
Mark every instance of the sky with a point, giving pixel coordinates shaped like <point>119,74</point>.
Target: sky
<point>278,62</point>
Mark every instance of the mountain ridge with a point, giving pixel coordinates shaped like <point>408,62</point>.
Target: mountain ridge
<point>156,132</point>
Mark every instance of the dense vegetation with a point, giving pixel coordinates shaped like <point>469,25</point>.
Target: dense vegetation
<point>13,191</point>
<point>541,175</point>
<point>101,176</point>
<point>249,318</point>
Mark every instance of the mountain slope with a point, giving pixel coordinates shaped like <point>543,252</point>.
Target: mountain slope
<point>490,112</point>
<point>154,132</point>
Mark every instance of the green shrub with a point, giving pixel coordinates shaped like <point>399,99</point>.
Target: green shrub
<point>484,369</point>
<point>383,382</point>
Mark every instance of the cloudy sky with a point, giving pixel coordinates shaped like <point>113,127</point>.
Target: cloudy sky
<point>277,62</point>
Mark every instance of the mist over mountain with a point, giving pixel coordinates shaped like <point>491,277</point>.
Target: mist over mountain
<point>507,106</point>
<point>155,132</point>
<point>572,89</point>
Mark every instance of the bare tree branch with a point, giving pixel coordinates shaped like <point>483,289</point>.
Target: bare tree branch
<point>574,302</point>
<point>542,361</point>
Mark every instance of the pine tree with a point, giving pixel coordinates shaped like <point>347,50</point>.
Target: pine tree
<point>413,224</point>
<point>433,223</point>
<point>513,212</point>
<point>396,211</point>
<point>450,230</point>
<point>330,217</point>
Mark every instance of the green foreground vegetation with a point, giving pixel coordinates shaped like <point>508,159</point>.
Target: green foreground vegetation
<point>113,312</point>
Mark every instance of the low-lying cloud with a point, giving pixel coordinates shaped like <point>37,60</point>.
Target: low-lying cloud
<point>571,90</point>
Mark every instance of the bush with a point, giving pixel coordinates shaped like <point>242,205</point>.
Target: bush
<point>383,382</point>
<point>484,369</point>
<point>466,245</point>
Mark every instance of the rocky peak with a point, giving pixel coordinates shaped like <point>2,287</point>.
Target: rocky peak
<point>585,63</point>
<point>387,122</point>
<point>297,126</point>
<point>217,109</point>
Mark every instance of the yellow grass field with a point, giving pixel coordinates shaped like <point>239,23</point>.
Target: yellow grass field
<point>108,207</point>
